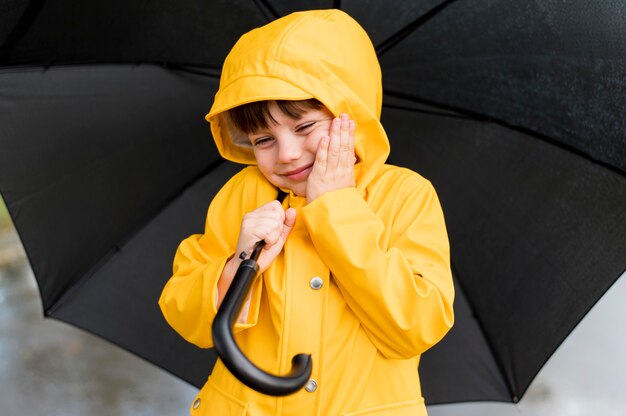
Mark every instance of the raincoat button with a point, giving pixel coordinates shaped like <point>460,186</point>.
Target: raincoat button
<point>196,403</point>
<point>310,386</point>
<point>316,283</point>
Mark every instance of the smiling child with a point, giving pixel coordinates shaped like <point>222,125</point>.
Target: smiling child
<point>355,270</point>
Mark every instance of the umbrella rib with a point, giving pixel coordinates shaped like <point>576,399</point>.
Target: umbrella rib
<point>453,111</point>
<point>428,112</point>
<point>27,19</point>
<point>268,11</point>
<point>397,37</point>
<point>210,72</point>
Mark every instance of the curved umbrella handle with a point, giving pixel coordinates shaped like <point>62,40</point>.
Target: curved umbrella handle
<point>232,357</point>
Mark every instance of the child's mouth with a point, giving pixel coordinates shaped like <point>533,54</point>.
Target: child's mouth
<point>299,173</point>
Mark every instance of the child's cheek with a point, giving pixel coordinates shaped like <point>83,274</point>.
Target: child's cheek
<point>313,141</point>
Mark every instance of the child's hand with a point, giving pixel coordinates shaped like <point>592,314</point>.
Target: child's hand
<point>334,162</point>
<point>270,223</point>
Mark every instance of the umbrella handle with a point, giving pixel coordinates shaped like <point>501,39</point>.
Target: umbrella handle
<point>232,357</point>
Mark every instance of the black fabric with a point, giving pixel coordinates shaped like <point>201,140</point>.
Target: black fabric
<point>462,366</point>
<point>552,68</point>
<point>527,65</point>
<point>97,151</point>
<point>514,111</point>
<point>537,233</point>
<point>119,300</point>
<point>66,31</point>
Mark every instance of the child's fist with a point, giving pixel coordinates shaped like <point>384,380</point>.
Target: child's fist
<point>269,223</point>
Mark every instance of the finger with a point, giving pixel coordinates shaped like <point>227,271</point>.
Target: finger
<point>277,216</point>
<point>256,219</point>
<point>272,211</point>
<point>344,142</point>
<point>321,156</point>
<point>271,234</point>
<point>282,230</point>
<point>258,227</point>
<point>290,217</point>
<point>351,138</point>
<point>270,206</point>
<point>290,221</point>
<point>255,222</point>
<point>272,250</point>
<point>335,143</point>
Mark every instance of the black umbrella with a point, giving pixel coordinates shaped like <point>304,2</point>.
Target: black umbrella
<point>514,110</point>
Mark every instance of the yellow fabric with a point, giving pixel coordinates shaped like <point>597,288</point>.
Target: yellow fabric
<point>381,248</point>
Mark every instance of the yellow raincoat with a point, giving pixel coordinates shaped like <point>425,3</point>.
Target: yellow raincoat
<point>380,249</point>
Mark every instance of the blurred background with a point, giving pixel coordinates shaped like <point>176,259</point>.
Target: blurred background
<point>50,368</point>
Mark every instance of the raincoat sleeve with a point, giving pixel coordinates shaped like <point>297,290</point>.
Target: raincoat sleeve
<point>392,268</point>
<point>188,301</point>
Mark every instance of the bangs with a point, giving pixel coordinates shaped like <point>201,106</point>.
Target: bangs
<point>252,117</point>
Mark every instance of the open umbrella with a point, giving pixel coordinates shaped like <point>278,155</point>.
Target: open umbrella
<point>514,110</point>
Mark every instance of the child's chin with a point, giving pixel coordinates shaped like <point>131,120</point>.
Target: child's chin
<point>298,190</point>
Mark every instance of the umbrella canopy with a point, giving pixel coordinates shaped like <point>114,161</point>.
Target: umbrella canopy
<point>514,111</point>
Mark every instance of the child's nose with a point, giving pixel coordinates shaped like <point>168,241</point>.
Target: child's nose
<point>289,149</point>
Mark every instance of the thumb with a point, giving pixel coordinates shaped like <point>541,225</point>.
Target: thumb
<point>290,220</point>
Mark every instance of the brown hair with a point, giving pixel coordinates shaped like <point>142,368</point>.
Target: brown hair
<point>254,116</point>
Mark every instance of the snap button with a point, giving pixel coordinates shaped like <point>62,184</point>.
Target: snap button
<point>316,283</point>
<point>310,386</point>
<point>196,403</point>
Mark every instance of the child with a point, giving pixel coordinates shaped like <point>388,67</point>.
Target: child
<point>355,270</point>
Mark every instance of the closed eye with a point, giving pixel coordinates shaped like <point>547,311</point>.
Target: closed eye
<point>262,141</point>
<point>303,127</point>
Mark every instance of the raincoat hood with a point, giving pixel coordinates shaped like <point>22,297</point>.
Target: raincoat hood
<point>322,54</point>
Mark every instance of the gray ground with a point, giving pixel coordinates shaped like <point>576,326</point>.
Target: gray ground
<point>50,368</point>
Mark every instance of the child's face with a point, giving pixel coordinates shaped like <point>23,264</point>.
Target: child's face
<point>285,151</point>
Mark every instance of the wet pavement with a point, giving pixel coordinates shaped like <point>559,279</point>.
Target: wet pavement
<point>50,368</point>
